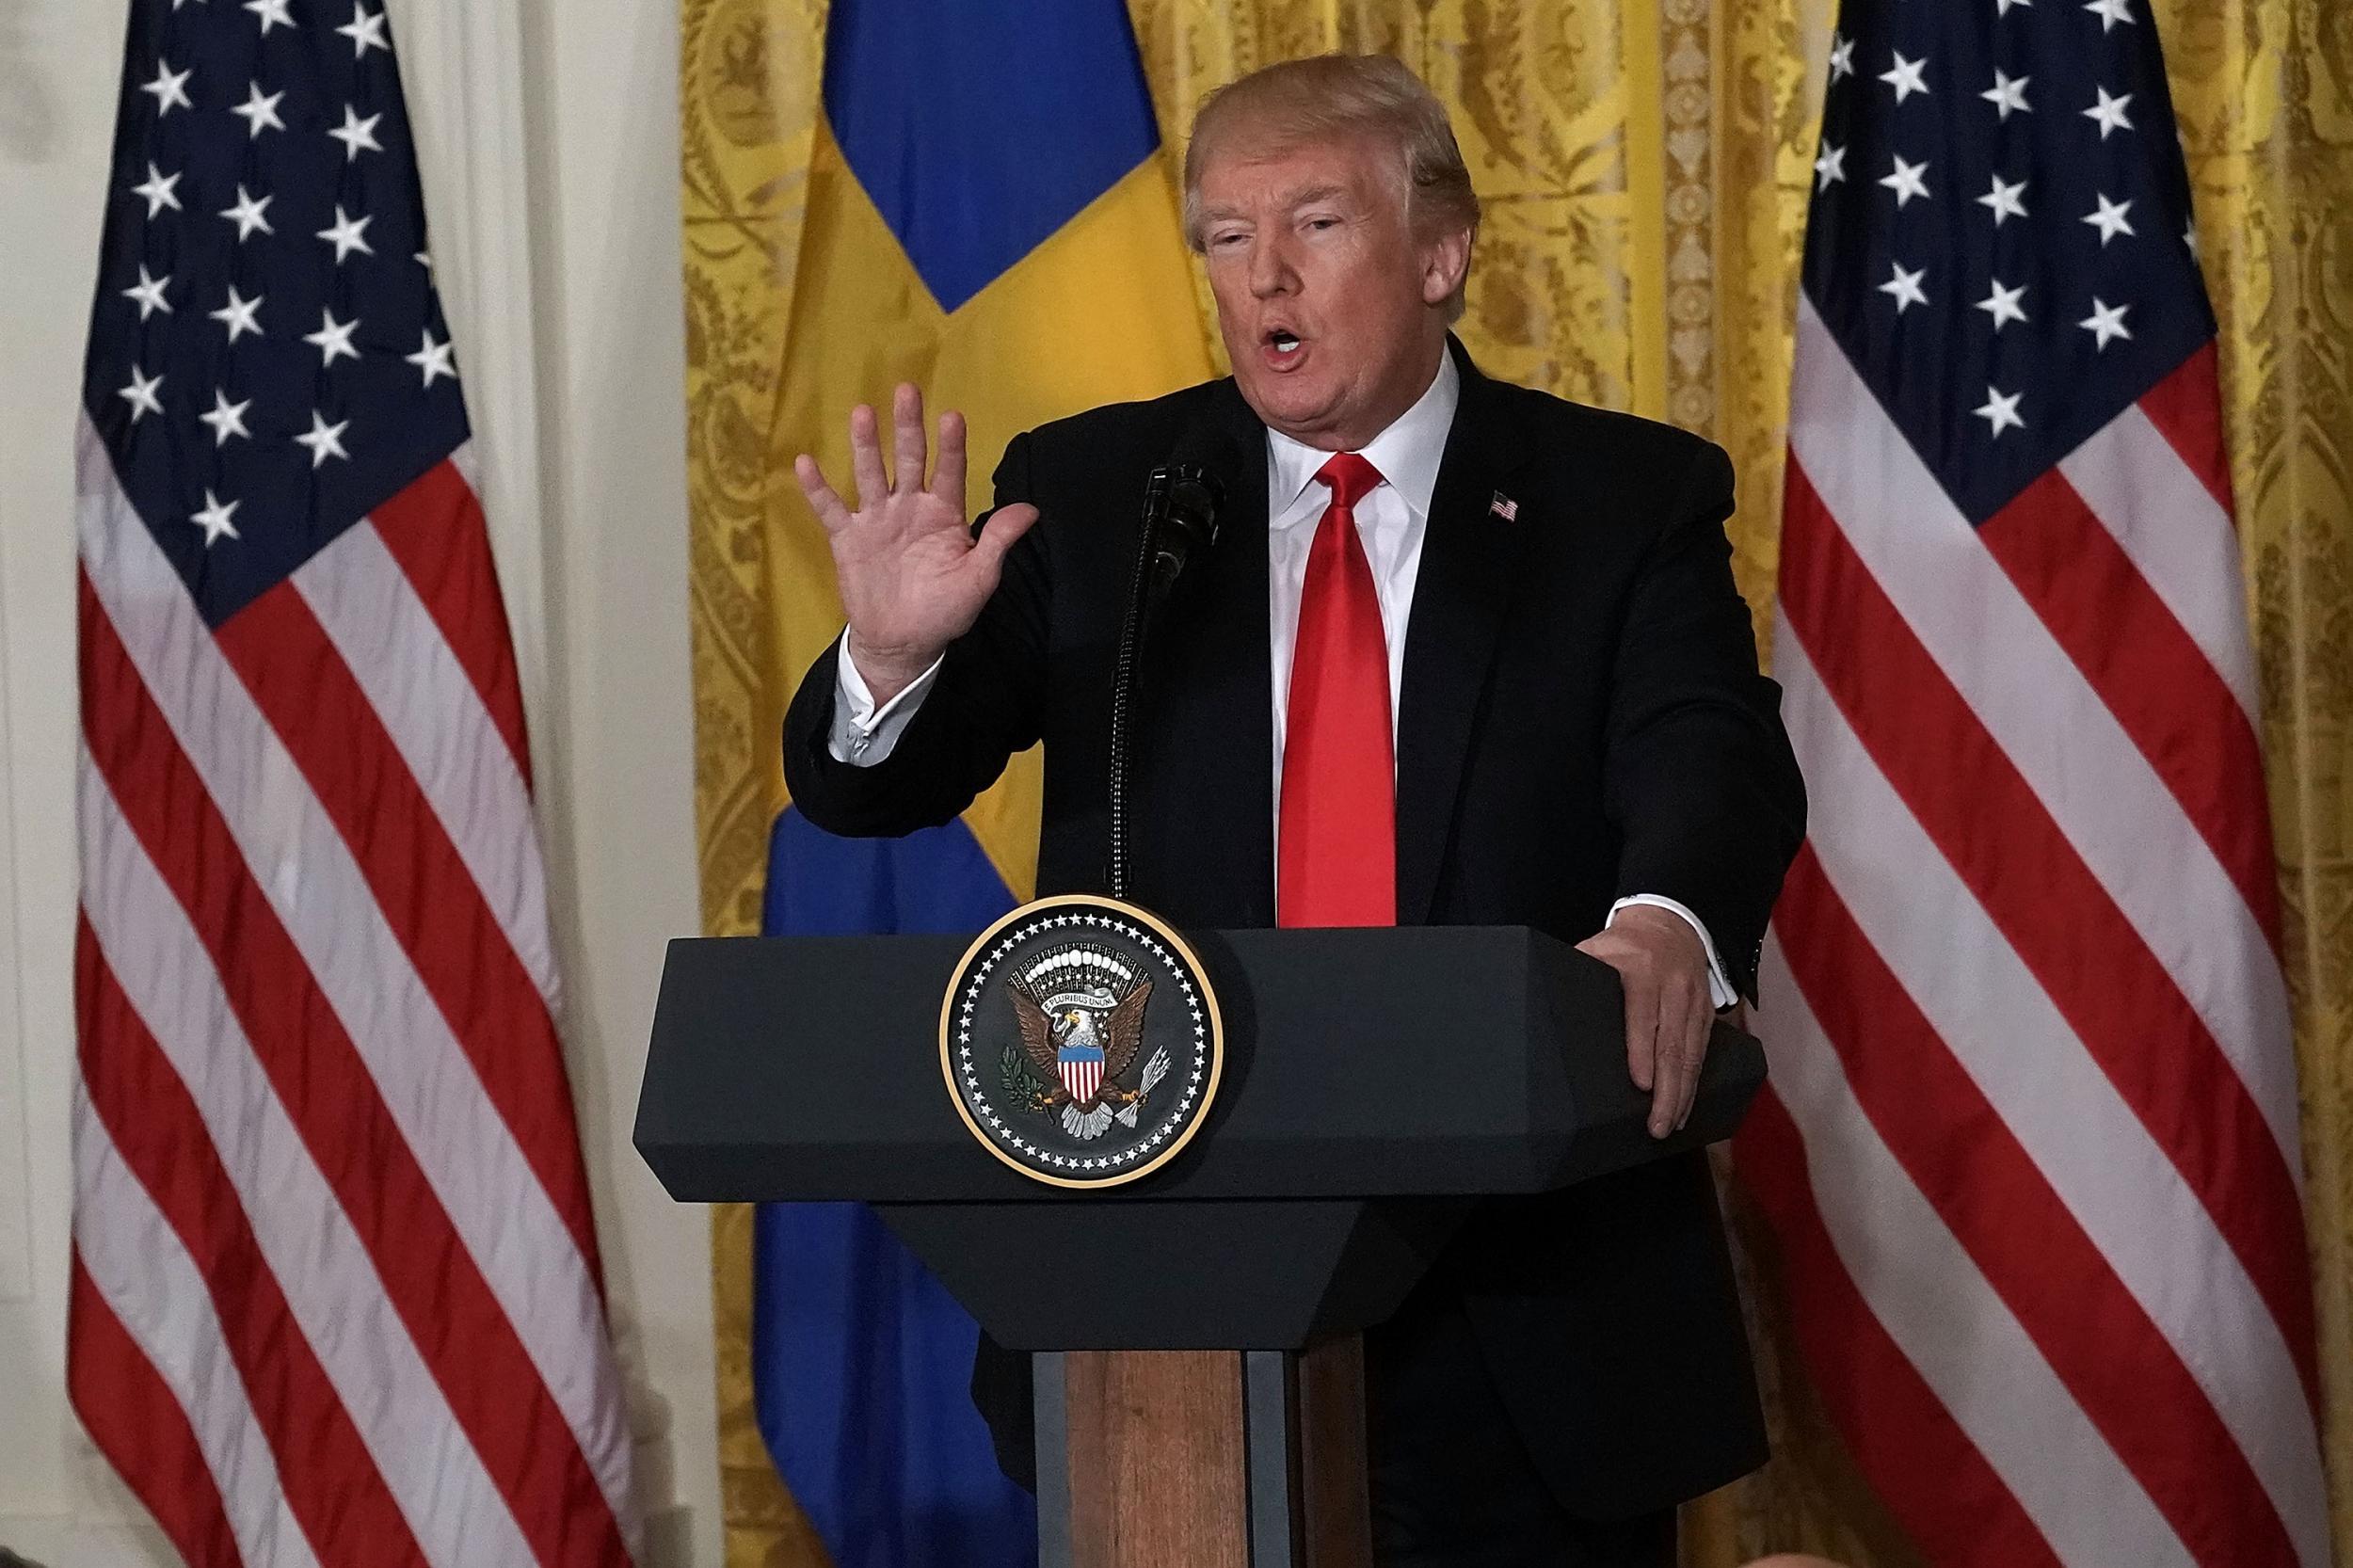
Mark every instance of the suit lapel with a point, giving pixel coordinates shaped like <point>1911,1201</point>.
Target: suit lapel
<point>1460,598</point>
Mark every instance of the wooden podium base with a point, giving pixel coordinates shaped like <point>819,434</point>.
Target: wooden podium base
<point>1209,1459</point>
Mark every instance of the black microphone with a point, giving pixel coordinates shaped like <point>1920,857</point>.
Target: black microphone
<point>1188,492</point>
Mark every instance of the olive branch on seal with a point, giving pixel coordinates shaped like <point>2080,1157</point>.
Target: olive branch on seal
<point>1021,1086</point>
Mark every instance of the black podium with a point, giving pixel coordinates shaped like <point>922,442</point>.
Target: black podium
<point>1377,1082</point>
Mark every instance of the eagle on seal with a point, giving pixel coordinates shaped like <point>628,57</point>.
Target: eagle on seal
<point>1083,1043</point>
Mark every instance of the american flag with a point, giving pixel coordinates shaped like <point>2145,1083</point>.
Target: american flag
<point>2031,1150</point>
<point>335,1292</point>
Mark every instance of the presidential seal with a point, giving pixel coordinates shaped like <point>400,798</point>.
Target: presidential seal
<point>1080,1041</point>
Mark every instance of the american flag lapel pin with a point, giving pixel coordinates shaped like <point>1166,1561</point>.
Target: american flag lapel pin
<point>1504,508</point>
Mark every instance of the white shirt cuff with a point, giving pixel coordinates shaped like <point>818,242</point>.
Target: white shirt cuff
<point>1719,991</point>
<point>863,734</point>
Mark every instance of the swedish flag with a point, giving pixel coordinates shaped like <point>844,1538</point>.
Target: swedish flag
<point>990,216</point>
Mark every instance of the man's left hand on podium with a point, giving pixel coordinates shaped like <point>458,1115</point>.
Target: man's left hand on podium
<point>1662,965</point>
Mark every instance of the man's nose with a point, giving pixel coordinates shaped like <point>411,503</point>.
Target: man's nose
<point>1271,273</point>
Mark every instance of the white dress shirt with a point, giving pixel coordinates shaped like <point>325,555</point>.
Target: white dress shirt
<point>1392,519</point>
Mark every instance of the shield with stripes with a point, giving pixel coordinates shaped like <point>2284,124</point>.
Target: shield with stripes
<point>1080,1067</point>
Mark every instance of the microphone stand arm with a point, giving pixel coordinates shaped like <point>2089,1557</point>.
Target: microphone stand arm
<point>1132,628</point>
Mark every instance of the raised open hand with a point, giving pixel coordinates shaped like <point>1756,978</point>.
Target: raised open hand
<point>912,578</point>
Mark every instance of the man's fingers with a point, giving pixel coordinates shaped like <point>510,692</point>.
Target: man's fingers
<point>1698,1022</point>
<point>1670,1073</point>
<point>947,474</point>
<point>906,432</point>
<point>1678,1068</point>
<point>866,459</point>
<point>1677,1061</point>
<point>821,499</point>
<point>1642,1029</point>
<point>1667,1018</point>
<point>1005,526</point>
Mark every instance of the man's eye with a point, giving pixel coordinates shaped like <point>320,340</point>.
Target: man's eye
<point>1323,223</point>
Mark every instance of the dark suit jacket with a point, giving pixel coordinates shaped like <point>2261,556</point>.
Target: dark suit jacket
<point>1582,718</point>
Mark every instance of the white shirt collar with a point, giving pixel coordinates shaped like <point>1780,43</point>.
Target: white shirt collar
<point>1407,452</point>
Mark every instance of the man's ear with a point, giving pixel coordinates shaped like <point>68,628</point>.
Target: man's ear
<point>1444,261</point>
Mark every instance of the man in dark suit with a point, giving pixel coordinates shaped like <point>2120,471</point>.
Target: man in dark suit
<point>1462,653</point>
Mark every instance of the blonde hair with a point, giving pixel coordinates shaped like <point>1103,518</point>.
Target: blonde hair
<point>1328,98</point>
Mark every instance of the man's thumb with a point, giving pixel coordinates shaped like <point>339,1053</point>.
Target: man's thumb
<point>1005,526</point>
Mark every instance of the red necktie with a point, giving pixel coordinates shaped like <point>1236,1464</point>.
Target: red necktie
<point>1337,858</point>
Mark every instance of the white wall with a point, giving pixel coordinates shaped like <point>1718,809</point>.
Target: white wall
<point>57,61</point>
<point>554,214</point>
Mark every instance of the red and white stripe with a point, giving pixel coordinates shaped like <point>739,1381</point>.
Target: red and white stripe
<point>2031,1140</point>
<point>1082,1080</point>
<point>337,1296</point>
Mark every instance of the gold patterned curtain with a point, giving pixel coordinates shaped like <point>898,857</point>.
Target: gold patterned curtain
<point>2265,92</point>
<point>1645,166</point>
